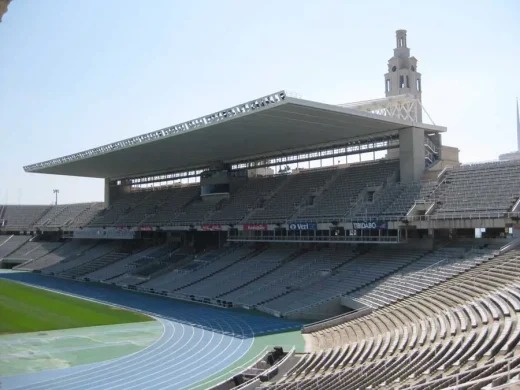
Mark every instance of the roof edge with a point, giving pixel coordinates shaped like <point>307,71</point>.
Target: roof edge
<point>353,111</point>
<point>193,124</point>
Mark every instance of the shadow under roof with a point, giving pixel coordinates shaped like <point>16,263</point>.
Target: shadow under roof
<point>272,125</point>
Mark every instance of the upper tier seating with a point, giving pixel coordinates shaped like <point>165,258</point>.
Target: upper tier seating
<point>468,325</point>
<point>166,211</point>
<point>405,199</point>
<point>341,196</point>
<point>147,206</point>
<point>292,195</point>
<point>21,217</point>
<point>78,214</point>
<point>396,200</point>
<point>247,198</point>
<point>10,243</point>
<point>194,212</point>
<point>125,204</point>
<point>484,189</point>
<point>84,218</point>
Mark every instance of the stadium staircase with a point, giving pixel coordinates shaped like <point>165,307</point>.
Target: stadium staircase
<point>49,218</point>
<point>250,255</point>
<point>286,260</point>
<point>40,216</point>
<point>86,216</point>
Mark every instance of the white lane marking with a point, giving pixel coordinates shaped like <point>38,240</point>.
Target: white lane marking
<point>155,361</point>
<point>214,365</point>
<point>98,366</point>
<point>154,384</point>
<point>180,361</point>
<point>217,317</point>
<point>115,366</point>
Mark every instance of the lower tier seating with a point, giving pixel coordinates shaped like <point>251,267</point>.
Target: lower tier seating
<point>10,243</point>
<point>468,324</point>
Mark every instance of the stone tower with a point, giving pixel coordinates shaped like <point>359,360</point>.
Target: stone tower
<point>402,77</point>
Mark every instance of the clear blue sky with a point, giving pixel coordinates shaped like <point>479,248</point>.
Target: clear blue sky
<point>78,74</point>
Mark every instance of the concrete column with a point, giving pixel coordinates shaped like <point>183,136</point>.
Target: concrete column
<point>107,193</point>
<point>411,154</point>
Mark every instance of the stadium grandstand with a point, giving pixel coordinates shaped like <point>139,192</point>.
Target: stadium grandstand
<point>353,218</point>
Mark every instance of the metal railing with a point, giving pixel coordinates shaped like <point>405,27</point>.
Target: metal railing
<point>324,239</point>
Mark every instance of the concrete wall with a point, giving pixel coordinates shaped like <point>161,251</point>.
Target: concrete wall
<point>350,303</point>
<point>336,320</point>
<point>450,154</point>
<point>328,309</point>
<point>411,152</point>
<point>113,192</point>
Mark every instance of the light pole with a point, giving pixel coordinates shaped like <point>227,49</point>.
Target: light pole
<point>56,192</point>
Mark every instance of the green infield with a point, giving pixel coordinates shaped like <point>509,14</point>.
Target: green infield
<point>29,309</point>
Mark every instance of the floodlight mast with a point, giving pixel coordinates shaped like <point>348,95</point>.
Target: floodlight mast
<point>56,192</point>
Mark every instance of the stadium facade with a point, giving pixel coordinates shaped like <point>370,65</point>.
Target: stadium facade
<point>353,214</point>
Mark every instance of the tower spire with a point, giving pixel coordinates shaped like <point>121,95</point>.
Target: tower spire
<point>518,124</point>
<point>402,77</point>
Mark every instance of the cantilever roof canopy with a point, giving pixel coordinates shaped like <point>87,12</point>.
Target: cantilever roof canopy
<point>272,125</point>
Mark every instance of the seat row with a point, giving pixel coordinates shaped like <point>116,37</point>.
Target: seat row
<point>469,321</point>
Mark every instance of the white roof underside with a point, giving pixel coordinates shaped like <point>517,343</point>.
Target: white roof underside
<point>268,126</point>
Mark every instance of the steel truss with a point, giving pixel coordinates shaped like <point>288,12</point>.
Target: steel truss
<point>349,148</point>
<point>405,107</point>
<point>346,148</point>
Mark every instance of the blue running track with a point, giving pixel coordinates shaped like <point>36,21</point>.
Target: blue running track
<point>197,342</point>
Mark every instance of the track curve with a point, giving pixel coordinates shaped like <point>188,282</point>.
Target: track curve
<point>197,342</point>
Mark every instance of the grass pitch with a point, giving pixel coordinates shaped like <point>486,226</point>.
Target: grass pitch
<point>29,309</point>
